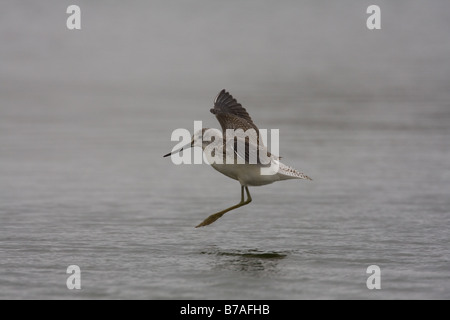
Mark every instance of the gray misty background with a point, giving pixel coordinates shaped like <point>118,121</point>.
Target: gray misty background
<point>85,117</point>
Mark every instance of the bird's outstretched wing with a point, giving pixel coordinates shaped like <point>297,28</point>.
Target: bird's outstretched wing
<point>231,114</point>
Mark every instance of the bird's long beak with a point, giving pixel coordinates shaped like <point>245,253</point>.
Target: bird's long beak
<point>187,146</point>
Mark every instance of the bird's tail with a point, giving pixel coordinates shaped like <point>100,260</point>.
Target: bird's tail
<point>285,172</point>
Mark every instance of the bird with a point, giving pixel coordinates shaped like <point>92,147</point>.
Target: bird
<point>242,164</point>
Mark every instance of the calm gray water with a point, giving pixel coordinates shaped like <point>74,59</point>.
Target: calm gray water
<point>85,117</point>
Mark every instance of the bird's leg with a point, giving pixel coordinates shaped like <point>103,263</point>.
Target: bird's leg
<point>219,214</point>
<point>249,197</point>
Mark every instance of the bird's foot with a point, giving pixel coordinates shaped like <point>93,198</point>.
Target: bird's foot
<point>211,219</point>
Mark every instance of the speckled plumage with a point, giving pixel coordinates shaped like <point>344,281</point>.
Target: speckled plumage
<point>231,115</point>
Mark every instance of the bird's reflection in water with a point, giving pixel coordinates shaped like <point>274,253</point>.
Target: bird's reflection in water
<point>252,260</point>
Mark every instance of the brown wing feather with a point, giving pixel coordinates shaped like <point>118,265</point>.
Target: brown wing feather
<point>230,113</point>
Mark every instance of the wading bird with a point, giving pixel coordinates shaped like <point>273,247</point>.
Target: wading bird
<point>237,162</point>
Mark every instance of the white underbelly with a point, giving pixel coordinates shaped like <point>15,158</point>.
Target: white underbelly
<point>246,174</point>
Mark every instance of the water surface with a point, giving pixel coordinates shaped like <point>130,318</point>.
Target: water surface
<point>86,116</point>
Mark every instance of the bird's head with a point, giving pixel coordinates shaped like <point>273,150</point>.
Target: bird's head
<point>201,138</point>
